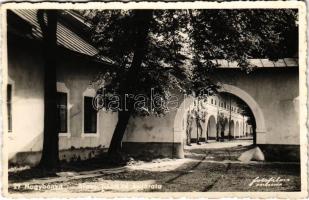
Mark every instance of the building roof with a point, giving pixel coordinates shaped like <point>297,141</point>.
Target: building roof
<point>65,36</point>
<point>261,63</point>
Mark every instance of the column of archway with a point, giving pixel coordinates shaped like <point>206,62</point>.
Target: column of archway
<point>237,128</point>
<point>242,127</point>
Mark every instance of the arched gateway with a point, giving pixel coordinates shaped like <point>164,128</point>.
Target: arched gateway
<point>211,127</point>
<point>273,104</point>
<point>179,130</point>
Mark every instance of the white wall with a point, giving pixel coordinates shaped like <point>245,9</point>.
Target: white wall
<point>25,71</point>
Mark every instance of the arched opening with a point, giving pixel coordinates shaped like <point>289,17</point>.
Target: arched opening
<point>257,119</point>
<point>235,123</point>
<point>241,129</point>
<point>232,127</point>
<point>239,112</point>
<point>237,130</point>
<point>211,128</point>
<point>226,130</point>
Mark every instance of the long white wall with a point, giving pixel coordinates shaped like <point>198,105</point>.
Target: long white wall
<point>74,74</point>
<point>276,104</point>
<point>273,97</point>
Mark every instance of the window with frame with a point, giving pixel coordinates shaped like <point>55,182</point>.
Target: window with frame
<point>9,106</point>
<point>62,108</point>
<point>90,116</point>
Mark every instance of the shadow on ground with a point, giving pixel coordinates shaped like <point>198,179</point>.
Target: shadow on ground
<point>215,170</point>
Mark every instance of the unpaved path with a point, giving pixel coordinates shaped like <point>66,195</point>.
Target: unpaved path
<point>203,170</point>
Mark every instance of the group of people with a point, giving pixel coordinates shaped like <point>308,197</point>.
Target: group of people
<point>195,117</point>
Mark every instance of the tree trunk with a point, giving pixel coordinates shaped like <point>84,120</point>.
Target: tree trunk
<point>129,84</point>
<point>114,151</point>
<point>50,152</point>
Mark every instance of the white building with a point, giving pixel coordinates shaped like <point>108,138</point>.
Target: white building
<point>83,133</point>
<point>213,107</point>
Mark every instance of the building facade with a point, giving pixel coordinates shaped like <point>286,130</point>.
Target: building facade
<point>85,133</point>
<point>216,106</point>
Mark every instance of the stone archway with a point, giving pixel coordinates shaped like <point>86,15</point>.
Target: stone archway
<point>178,128</point>
<point>211,127</point>
<point>255,108</point>
<point>179,131</point>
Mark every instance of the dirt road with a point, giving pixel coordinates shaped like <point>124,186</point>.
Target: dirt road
<point>203,170</point>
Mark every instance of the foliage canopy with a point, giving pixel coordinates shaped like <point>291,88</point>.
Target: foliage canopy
<point>182,46</point>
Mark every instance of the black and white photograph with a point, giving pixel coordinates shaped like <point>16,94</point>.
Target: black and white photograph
<point>179,99</point>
